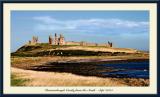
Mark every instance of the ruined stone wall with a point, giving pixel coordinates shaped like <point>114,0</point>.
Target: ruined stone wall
<point>72,43</point>
<point>87,44</point>
<point>91,44</point>
<point>102,44</point>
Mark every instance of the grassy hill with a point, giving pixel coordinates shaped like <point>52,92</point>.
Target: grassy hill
<point>44,49</point>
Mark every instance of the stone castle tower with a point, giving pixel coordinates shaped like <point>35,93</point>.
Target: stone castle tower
<point>34,40</point>
<point>110,44</point>
<point>59,41</point>
<point>50,40</point>
<point>55,39</point>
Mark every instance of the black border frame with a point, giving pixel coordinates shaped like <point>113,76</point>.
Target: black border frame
<point>78,1</point>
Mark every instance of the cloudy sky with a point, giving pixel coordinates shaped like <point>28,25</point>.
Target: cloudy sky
<point>126,29</point>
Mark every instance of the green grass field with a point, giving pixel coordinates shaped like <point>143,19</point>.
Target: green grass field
<point>15,81</point>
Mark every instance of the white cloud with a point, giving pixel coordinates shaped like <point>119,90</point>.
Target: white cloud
<point>50,23</point>
<point>46,19</point>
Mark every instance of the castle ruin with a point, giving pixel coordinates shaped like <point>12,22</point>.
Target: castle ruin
<point>56,40</point>
<point>50,40</point>
<point>34,40</point>
<point>61,41</point>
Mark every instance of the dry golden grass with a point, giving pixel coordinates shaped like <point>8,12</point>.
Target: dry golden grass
<point>62,79</point>
<point>127,50</point>
<point>35,60</point>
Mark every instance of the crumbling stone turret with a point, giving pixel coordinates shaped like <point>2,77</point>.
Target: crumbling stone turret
<point>50,40</point>
<point>110,44</point>
<point>33,41</point>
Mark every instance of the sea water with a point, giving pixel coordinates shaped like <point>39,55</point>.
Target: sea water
<point>128,70</point>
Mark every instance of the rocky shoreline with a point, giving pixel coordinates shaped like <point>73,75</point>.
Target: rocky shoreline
<point>82,67</point>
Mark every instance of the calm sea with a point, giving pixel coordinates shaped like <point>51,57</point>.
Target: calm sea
<point>128,70</point>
